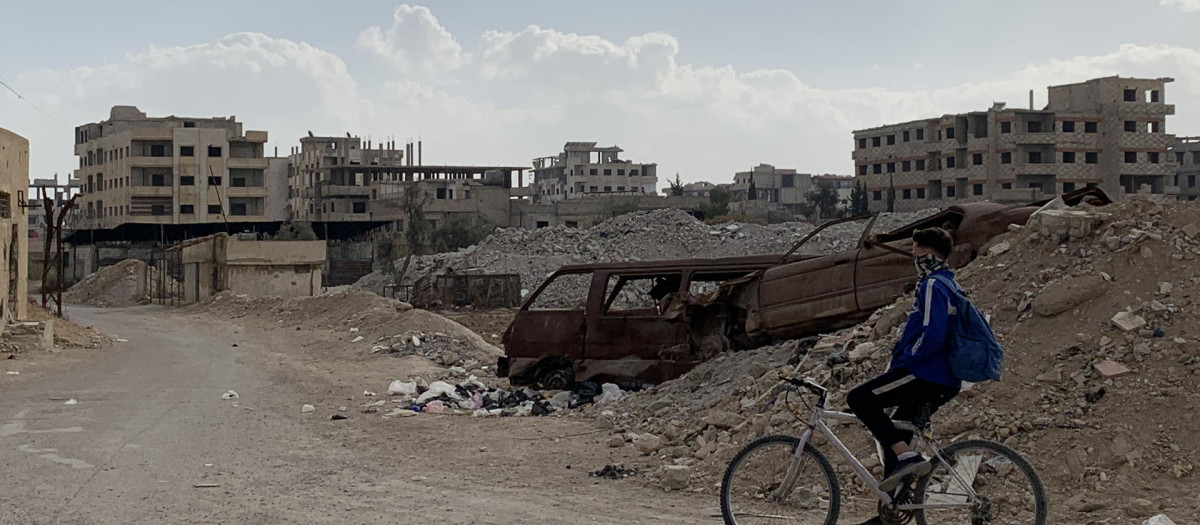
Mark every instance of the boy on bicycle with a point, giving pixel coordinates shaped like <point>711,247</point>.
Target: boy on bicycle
<point>920,374</point>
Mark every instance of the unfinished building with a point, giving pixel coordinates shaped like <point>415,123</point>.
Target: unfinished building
<point>781,186</point>
<point>584,170</point>
<point>14,226</point>
<point>1186,152</point>
<point>1108,132</point>
<point>171,170</point>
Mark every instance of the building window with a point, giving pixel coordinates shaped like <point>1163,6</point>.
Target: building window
<point>620,189</point>
<point>877,195</point>
<point>787,180</point>
<point>157,209</point>
<point>1068,187</point>
<point>875,142</point>
<point>158,179</point>
<point>441,193</point>
<point>1130,157</point>
<point>891,167</point>
<point>877,168</point>
<point>214,208</point>
<point>214,181</point>
<point>1006,186</point>
<point>949,162</point>
<point>906,165</point>
<point>1153,157</point>
<point>920,164</point>
<point>187,209</point>
<point>1153,95</point>
<point>1006,157</point>
<point>158,150</point>
<point>592,171</point>
<point>950,133</point>
<point>1153,127</point>
<point>237,208</point>
<point>620,172</point>
<point>633,173</point>
<point>920,193</point>
<point>891,140</point>
<point>977,189</point>
<point>1068,126</point>
<point>187,181</point>
<point>1033,126</point>
<point>862,143</point>
<point>1191,181</point>
<point>187,151</point>
<point>608,189</point>
<point>1091,157</point>
<point>189,124</point>
<point>358,207</point>
<point>1035,157</point>
<point>592,189</point>
<point>977,159</point>
<point>1089,127</point>
<point>214,151</point>
<point>608,171</point>
<point>1130,125</point>
<point>1131,95</point>
<point>1068,157</point>
<point>949,191</point>
<point>906,194</point>
<point>1179,157</point>
<point>920,134</point>
<point>862,169</point>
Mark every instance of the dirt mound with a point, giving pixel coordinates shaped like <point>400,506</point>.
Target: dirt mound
<point>639,236</point>
<point>128,283</point>
<point>373,324</point>
<point>1101,438</point>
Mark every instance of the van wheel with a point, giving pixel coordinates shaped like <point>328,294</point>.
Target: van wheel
<point>557,379</point>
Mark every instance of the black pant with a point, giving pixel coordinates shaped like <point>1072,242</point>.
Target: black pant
<point>896,388</point>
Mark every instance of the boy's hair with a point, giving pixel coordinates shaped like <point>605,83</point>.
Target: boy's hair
<point>935,239</point>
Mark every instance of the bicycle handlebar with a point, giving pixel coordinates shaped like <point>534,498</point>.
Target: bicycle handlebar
<point>819,390</point>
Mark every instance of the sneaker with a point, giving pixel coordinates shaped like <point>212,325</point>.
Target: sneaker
<point>916,465</point>
<point>873,521</point>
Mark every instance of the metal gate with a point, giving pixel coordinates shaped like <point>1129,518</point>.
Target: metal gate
<point>163,279</point>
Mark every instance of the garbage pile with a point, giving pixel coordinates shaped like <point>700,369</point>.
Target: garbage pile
<point>475,398</point>
<point>639,236</point>
<point>128,283</point>
<point>1096,311</point>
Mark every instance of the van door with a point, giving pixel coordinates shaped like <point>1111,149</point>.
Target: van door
<point>884,274</point>
<point>627,337</point>
<point>550,325</point>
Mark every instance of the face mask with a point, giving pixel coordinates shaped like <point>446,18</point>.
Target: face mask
<point>927,264</point>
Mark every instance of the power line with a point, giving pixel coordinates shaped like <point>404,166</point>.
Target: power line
<point>32,105</point>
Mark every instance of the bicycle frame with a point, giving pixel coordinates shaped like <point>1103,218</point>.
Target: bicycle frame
<point>817,423</point>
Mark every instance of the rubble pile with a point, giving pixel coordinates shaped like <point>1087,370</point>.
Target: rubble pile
<point>128,283</point>
<point>639,236</point>
<point>1096,311</point>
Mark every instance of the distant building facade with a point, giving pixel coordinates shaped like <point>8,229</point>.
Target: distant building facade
<point>584,170</point>
<point>1186,152</point>
<point>1108,132</point>
<point>170,170</point>
<point>780,186</point>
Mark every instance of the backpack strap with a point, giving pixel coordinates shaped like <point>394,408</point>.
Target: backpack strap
<point>960,299</point>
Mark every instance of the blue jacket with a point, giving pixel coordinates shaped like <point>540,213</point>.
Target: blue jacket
<point>922,349</point>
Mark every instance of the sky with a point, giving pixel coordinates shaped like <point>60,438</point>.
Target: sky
<point>703,88</point>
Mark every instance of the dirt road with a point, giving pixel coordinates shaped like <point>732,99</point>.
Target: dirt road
<point>151,440</point>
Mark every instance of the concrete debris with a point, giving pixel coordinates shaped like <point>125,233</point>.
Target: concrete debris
<point>71,402</point>
<point>304,409</point>
<point>1128,321</point>
<point>229,394</point>
<point>676,477</point>
<point>1109,368</point>
<point>357,339</point>
<point>1158,519</point>
<point>616,442</point>
<point>1067,294</point>
<point>128,283</point>
<point>999,248</point>
<point>648,443</point>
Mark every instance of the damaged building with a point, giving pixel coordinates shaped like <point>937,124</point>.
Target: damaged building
<point>585,170</point>
<point>1186,152</point>
<point>14,226</point>
<point>1108,132</point>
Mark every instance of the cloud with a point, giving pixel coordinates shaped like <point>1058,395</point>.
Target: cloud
<point>415,43</point>
<point>1189,6</point>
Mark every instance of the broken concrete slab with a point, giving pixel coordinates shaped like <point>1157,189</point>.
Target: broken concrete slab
<point>1110,368</point>
<point>648,443</point>
<point>1191,230</point>
<point>1128,321</point>
<point>1067,294</point>
<point>1158,519</point>
<point>676,477</point>
<point>722,419</point>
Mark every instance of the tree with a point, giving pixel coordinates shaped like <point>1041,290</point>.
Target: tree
<point>295,231</point>
<point>676,186</point>
<point>417,233</point>
<point>824,199</point>
<point>386,253</point>
<point>718,203</point>
<point>459,232</point>
<point>859,205</point>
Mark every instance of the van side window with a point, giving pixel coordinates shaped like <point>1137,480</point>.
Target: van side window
<point>639,293</point>
<point>702,283</point>
<point>564,292</point>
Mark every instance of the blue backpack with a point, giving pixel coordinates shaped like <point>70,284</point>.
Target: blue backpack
<point>975,355</point>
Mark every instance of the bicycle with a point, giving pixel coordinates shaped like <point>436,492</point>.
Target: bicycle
<point>770,477</point>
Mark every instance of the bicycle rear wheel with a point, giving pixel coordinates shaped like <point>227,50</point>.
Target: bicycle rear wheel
<point>749,489</point>
<point>1009,490</point>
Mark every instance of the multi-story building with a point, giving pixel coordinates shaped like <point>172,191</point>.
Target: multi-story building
<point>171,170</point>
<point>1108,132</point>
<point>697,189</point>
<point>843,184</point>
<point>330,177</point>
<point>584,170</point>
<point>773,185</point>
<point>1186,152</point>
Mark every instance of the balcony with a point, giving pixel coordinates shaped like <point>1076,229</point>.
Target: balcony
<point>151,191</point>
<point>152,162</point>
<point>1036,169</point>
<point>246,191</point>
<point>325,189</point>
<point>239,163</point>
<point>1044,137</point>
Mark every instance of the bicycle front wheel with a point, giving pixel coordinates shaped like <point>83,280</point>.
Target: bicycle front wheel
<point>1007,488</point>
<point>751,490</point>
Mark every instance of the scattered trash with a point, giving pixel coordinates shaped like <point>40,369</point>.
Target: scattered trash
<point>1159,519</point>
<point>368,393</point>
<point>337,417</point>
<point>357,339</point>
<point>13,373</point>
<point>401,388</point>
<point>434,407</point>
<point>206,485</point>
<point>307,408</point>
<point>609,393</point>
<point>119,340</point>
<point>613,472</point>
<point>229,394</point>
<point>71,402</point>
<point>235,345</point>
